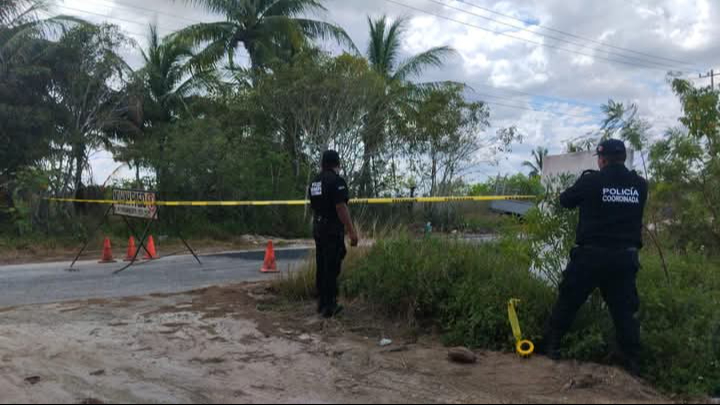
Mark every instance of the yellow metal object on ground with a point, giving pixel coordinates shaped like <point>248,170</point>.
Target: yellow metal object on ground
<point>524,348</point>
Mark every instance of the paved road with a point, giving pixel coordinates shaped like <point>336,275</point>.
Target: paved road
<point>49,282</point>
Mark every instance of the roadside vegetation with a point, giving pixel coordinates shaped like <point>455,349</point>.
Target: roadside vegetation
<point>194,124</point>
<point>461,290</point>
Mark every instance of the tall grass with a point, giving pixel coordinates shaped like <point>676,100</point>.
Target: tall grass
<point>462,290</point>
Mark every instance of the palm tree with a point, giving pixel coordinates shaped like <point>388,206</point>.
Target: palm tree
<point>539,156</point>
<point>384,56</point>
<point>19,31</point>
<point>384,52</point>
<point>264,27</point>
<point>14,11</point>
<point>167,78</point>
<point>26,67</point>
<point>160,91</point>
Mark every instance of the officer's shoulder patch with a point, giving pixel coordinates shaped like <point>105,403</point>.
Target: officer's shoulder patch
<point>588,172</point>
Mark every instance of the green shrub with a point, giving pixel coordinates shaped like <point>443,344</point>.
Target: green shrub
<point>410,278</point>
<point>681,324</point>
<point>463,289</point>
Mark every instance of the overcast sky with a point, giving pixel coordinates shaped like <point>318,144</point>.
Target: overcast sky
<point>545,66</point>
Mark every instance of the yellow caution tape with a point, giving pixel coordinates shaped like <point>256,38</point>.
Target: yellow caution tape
<point>293,202</point>
<point>524,348</point>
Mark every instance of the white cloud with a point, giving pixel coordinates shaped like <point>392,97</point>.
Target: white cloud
<point>680,31</point>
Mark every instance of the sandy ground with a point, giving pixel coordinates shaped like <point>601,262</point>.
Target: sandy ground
<point>234,345</point>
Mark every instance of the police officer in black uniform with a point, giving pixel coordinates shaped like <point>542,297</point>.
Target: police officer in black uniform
<point>609,237</point>
<point>329,198</point>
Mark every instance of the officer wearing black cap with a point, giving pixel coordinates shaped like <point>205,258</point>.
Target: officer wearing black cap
<point>329,198</point>
<point>609,237</point>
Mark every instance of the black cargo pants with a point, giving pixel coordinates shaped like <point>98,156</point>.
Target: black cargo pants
<point>614,273</point>
<point>330,253</point>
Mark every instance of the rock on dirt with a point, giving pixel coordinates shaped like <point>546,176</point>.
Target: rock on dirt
<point>33,380</point>
<point>462,355</point>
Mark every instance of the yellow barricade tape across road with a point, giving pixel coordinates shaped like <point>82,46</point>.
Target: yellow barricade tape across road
<point>295,202</point>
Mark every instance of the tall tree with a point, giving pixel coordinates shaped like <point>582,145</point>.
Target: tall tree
<point>444,137</point>
<point>538,163</point>
<point>686,167</point>
<point>89,83</point>
<point>167,79</point>
<point>157,94</point>
<point>26,68</point>
<point>163,91</point>
<point>320,102</point>
<point>23,138</point>
<point>263,27</point>
<point>384,55</point>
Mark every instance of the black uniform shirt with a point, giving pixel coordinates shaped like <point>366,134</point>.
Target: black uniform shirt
<point>612,203</point>
<point>326,191</point>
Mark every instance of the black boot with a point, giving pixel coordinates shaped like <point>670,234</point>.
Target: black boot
<point>333,311</point>
<point>631,364</point>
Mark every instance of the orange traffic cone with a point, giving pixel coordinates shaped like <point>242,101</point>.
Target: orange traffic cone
<point>151,251</point>
<point>107,256</point>
<point>270,265</point>
<point>132,250</point>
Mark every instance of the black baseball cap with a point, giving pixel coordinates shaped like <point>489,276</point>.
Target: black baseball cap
<point>611,147</point>
<point>330,159</point>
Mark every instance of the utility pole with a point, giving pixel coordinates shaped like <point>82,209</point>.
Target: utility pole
<point>712,76</point>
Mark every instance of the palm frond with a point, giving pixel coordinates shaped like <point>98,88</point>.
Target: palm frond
<point>210,57</point>
<point>392,42</point>
<point>216,37</point>
<point>200,34</point>
<point>289,8</point>
<point>417,64</point>
<point>215,6</point>
<point>420,91</point>
<point>197,82</point>
<point>531,166</point>
<point>377,43</point>
<point>325,31</point>
<point>13,12</point>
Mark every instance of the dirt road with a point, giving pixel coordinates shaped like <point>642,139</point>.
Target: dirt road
<point>224,345</point>
<point>27,284</point>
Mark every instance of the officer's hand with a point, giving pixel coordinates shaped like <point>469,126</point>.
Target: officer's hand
<point>354,239</point>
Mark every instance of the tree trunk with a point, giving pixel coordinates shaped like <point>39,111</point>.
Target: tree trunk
<point>366,175</point>
<point>292,148</point>
<point>433,181</point>
<point>79,166</point>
